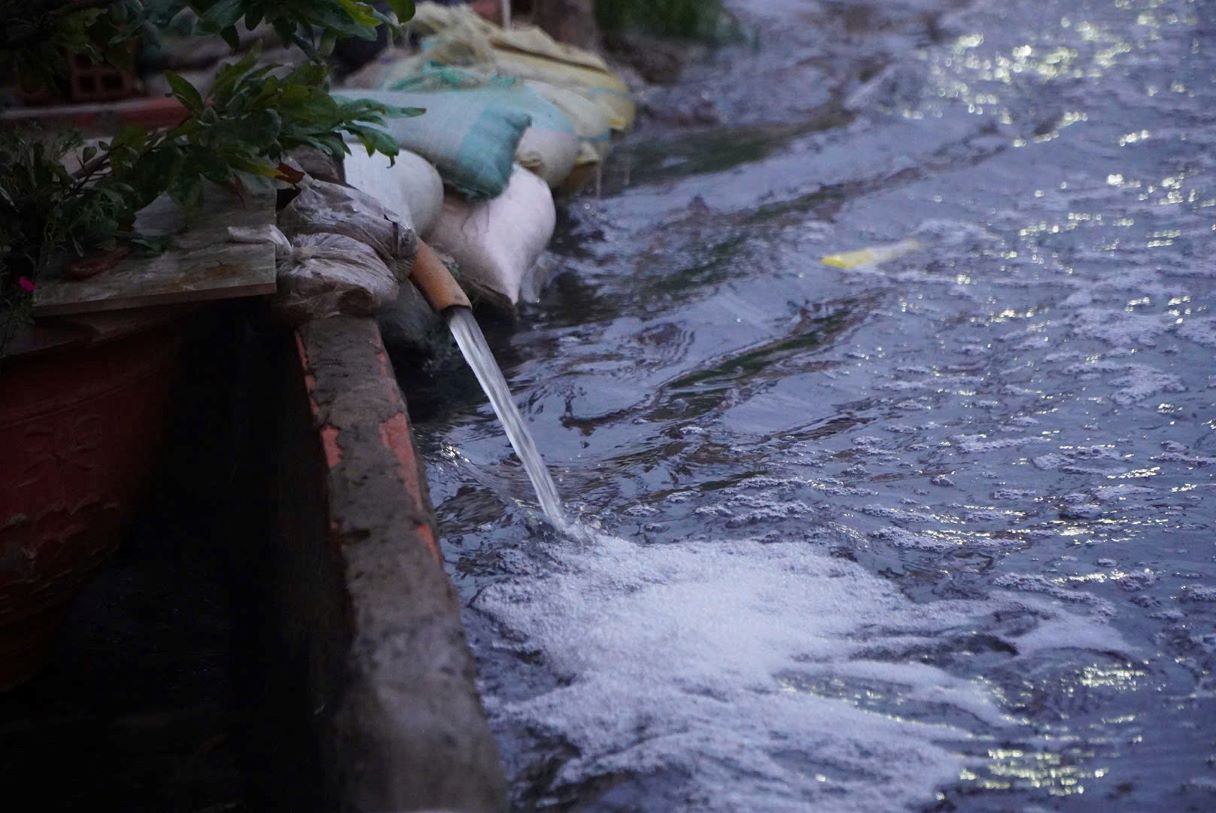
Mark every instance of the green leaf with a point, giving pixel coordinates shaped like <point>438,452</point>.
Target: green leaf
<point>183,25</point>
<point>260,129</point>
<point>187,190</point>
<point>224,14</point>
<point>360,13</point>
<point>231,37</point>
<point>404,9</point>
<point>213,167</point>
<point>129,135</point>
<point>185,92</point>
<point>150,35</point>
<point>229,75</point>
<point>259,169</point>
<point>328,40</point>
<point>381,142</point>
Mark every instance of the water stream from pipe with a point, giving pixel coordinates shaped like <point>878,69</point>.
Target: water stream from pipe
<point>477,353</point>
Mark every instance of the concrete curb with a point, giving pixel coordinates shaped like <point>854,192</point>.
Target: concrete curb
<point>367,608</point>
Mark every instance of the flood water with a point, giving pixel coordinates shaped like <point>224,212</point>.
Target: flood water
<point>931,534</point>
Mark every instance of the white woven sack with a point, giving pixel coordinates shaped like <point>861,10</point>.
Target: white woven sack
<point>497,242</point>
<point>410,187</point>
<point>550,154</point>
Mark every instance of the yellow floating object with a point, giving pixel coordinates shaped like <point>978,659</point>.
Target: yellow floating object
<point>871,256</point>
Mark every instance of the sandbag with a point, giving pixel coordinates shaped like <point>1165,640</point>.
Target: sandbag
<point>457,36</point>
<point>590,122</point>
<point>549,155</point>
<point>497,243</point>
<point>597,83</point>
<point>328,275</point>
<point>590,125</point>
<point>549,147</point>
<point>329,208</point>
<point>408,186</point>
<point>472,145</point>
<point>393,62</point>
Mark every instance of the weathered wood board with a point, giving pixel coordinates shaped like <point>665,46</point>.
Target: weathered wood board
<point>202,263</point>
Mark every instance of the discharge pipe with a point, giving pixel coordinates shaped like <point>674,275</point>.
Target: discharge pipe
<point>439,288</point>
<point>442,293</point>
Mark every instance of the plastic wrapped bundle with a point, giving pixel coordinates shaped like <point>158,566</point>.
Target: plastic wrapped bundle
<point>328,275</point>
<point>329,208</point>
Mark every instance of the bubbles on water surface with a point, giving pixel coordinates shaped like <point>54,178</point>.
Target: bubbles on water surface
<point>767,676</point>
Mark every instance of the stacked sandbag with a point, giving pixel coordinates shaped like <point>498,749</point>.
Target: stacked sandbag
<point>347,253</point>
<point>412,189</point>
<point>457,36</point>
<point>509,114</point>
<point>590,125</point>
<point>497,243</point>
<point>407,185</point>
<point>530,53</point>
<point>473,146</point>
<point>470,108</point>
<point>550,145</point>
<point>593,98</point>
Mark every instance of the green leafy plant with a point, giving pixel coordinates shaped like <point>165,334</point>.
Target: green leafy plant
<point>235,135</point>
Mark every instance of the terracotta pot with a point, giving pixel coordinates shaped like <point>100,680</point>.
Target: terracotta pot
<point>79,430</point>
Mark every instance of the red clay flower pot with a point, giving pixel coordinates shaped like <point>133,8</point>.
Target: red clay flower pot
<point>80,426</point>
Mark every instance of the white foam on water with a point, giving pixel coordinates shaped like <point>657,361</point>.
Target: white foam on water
<point>709,661</point>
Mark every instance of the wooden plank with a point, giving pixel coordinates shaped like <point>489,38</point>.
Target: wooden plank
<point>202,264</point>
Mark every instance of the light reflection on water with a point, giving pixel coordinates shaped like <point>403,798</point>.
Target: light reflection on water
<point>1018,419</point>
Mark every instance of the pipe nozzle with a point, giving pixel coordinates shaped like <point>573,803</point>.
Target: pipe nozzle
<point>436,283</point>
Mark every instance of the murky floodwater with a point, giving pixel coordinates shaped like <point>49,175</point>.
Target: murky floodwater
<point>932,534</point>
